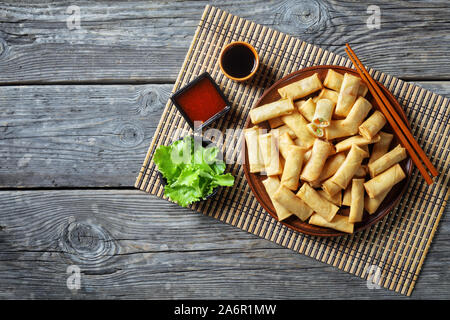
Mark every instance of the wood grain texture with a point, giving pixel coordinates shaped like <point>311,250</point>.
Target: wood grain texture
<point>124,244</point>
<point>146,41</point>
<point>76,136</point>
<point>88,135</point>
<point>83,135</point>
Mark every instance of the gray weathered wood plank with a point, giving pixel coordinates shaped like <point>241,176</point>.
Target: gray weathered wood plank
<point>132,245</point>
<point>146,41</point>
<point>65,136</point>
<point>83,135</point>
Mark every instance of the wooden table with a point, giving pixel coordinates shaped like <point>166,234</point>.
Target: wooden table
<point>79,107</point>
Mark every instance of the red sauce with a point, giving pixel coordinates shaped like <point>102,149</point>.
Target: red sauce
<point>201,101</point>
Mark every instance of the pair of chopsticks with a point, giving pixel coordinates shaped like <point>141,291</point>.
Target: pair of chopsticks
<point>400,129</point>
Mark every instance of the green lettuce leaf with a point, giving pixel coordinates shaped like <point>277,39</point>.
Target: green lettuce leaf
<point>192,171</point>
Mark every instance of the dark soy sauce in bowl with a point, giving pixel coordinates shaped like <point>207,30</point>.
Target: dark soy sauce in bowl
<point>239,61</point>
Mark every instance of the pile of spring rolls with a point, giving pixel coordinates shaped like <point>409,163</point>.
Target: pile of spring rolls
<point>325,151</point>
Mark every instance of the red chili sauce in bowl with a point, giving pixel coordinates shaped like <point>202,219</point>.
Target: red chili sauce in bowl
<point>201,101</point>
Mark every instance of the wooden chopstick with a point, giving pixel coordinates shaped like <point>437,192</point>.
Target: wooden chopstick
<point>400,128</point>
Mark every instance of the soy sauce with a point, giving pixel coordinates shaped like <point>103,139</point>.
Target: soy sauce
<point>238,61</point>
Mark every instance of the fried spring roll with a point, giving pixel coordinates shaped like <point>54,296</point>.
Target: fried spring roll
<point>348,169</point>
<point>358,113</point>
<point>272,184</point>
<point>284,141</point>
<point>315,130</point>
<point>256,162</point>
<point>371,204</point>
<point>372,125</point>
<point>307,109</point>
<point>338,129</point>
<point>327,94</point>
<point>323,112</point>
<point>293,167</point>
<point>270,154</point>
<point>384,181</point>
<point>298,124</point>
<point>319,154</point>
<point>275,122</point>
<point>336,199</point>
<point>358,140</point>
<point>292,203</point>
<point>331,166</point>
<point>301,88</point>
<point>333,81</point>
<point>330,187</point>
<point>339,223</point>
<point>362,170</point>
<point>271,110</point>
<point>357,201</point>
<point>381,147</point>
<point>320,205</point>
<point>347,94</point>
<point>347,198</point>
<point>284,129</point>
<point>388,160</point>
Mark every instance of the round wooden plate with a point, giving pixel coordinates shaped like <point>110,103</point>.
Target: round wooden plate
<point>255,180</point>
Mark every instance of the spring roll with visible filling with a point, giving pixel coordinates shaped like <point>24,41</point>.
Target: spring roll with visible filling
<point>347,94</point>
<point>388,160</point>
<point>336,199</point>
<point>307,109</point>
<point>315,130</point>
<point>272,184</point>
<point>384,181</point>
<point>320,205</point>
<point>298,124</point>
<point>270,154</point>
<point>381,147</point>
<point>357,201</point>
<point>348,169</point>
<point>327,94</point>
<point>339,223</point>
<point>358,140</point>
<point>293,167</point>
<point>319,154</point>
<point>301,88</point>
<point>371,204</point>
<point>323,112</point>
<point>256,162</point>
<point>372,125</point>
<point>292,203</point>
<point>284,141</point>
<point>271,110</point>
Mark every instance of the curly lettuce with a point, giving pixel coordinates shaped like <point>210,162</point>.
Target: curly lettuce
<point>192,171</point>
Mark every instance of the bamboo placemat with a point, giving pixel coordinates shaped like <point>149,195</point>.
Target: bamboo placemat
<point>398,244</point>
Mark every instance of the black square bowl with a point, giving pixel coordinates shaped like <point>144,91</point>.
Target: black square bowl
<point>191,84</point>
